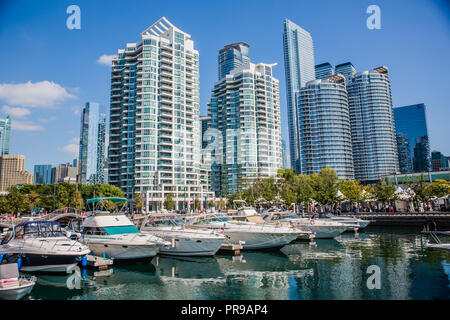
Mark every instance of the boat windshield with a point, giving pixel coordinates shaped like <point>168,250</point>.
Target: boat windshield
<point>41,229</point>
<point>166,223</point>
<point>207,220</point>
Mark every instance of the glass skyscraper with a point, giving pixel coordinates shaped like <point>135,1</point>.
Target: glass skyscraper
<point>43,174</point>
<point>233,56</point>
<point>374,142</point>
<point>411,123</point>
<point>5,132</point>
<point>347,70</point>
<point>324,70</point>
<point>324,125</point>
<point>299,69</point>
<point>92,145</point>
<point>154,137</point>
<point>245,114</point>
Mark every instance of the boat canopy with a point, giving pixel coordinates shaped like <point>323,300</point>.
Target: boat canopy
<point>39,229</point>
<point>113,199</point>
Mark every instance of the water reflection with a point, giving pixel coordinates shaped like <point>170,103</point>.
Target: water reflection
<point>325,269</point>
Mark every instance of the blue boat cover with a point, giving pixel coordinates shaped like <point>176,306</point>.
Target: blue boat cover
<point>121,230</point>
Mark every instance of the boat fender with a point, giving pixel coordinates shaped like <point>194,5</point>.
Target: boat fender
<point>104,255</point>
<point>173,242</point>
<point>19,263</point>
<point>1,258</point>
<point>84,274</point>
<point>84,261</point>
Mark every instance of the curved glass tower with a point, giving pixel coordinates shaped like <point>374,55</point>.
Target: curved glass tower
<point>324,125</point>
<point>372,123</point>
<point>233,56</point>
<point>299,67</point>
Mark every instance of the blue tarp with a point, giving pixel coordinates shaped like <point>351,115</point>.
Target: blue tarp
<point>121,230</point>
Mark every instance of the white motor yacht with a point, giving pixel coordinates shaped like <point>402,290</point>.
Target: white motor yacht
<point>113,235</point>
<point>43,247</point>
<point>251,235</point>
<point>322,228</point>
<point>183,241</point>
<point>12,285</point>
<point>353,222</point>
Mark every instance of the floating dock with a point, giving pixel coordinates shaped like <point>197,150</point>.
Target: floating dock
<point>98,262</point>
<point>233,248</point>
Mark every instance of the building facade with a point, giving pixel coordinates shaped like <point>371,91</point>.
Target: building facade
<point>233,56</point>
<point>372,125</point>
<point>410,121</point>
<point>5,133</point>
<point>324,127</point>
<point>299,69</point>
<point>12,172</point>
<point>64,172</point>
<point>439,161</point>
<point>92,151</point>
<point>324,70</point>
<point>154,136</point>
<point>404,153</point>
<point>346,69</point>
<point>245,121</point>
<point>43,174</point>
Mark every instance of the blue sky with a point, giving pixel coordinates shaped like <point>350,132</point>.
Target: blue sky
<point>414,42</point>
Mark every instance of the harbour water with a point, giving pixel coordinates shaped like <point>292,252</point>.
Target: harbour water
<point>326,269</point>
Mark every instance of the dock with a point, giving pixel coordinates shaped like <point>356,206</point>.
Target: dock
<point>233,248</point>
<point>404,219</point>
<point>98,262</point>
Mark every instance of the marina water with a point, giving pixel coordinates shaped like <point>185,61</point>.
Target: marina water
<point>326,269</point>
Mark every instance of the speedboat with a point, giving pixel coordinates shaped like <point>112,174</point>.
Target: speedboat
<point>113,235</point>
<point>353,222</point>
<point>183,241</point>
<point>43,247</point>
<point>250,235</point>
<point>13,286</point>
<point>322,228</point>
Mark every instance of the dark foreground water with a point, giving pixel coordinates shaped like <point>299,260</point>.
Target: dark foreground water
<point>328,269</point>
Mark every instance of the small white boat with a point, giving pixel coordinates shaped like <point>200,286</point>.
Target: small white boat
<point>13,286</point>
<point>252,236</point>
<point>113,235</point>
<point>43,247</point>
<point>353,222</point>
<point>183,241</point>
<point>322,228</point>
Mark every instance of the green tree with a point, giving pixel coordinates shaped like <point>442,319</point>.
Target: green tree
<point>210,204</point>
<point>138,202</point>
<point>196,203</point>
<point>421,190</point>
<point>107,205</point>
<point>439,188</point>
<point>17,201</point>
<point>76,201</point>
<point>384,192</point>
<point>351,190</point>
<point>169,204</point>
<point>325,186</point>
<point>5,206</point>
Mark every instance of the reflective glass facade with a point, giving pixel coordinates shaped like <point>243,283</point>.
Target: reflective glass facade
<point>233,56</point>
<point>324,70</point>
<point>43,174</point>
<point>347,70</point>
<point>410,121</point>
<point>372,125</point>
<point>299,69</point>
<point>324,125</point>
<point>5,133</point>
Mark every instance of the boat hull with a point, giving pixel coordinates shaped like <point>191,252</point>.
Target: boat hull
<point>55,263</point>
<point>259,240</point>
<point>326,232</point>
<point>195,247</point>
<point>16,293</point>
<point>123,252</point>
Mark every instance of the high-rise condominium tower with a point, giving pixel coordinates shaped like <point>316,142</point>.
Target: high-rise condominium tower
<point>12,171</point>
<point>92,145</point>
<point>372,125</point>
<point>42,174</point>
<point>324,125</point>
<point>154,136</point>
<point>411,124</point>
<point>346,69</point>
<point>233,56</point>
<point>324,70</point>
<point>245,119</point>
<point>299,67</point>
<point>5,132</point>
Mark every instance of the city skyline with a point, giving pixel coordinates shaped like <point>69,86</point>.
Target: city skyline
<point>55,120</point>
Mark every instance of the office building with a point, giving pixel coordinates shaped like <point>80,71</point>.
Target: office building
<point>439,161</point>
<point>92,145</point>
<point>324,127</point>
<point>245,111</point>
<point>347,70</point>
<point>154,136</point>
<point>5,133</point>
<point>410,121</point>
<point>299,69</point>
<point>64,172</point>
<point>12,172</point>
<point>372,123</point>
<point>404,153</point>
<point>43,174</point>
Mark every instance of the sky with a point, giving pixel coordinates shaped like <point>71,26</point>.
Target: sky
<point>48,72</point>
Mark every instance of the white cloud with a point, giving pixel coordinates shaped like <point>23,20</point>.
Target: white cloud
<point>38,94</point>
<point>77,110</point>
<point>45,120</point>
<point>15,112</point>
<point>72,147</point>
<point>25,126</point>
<point>106,59</point>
